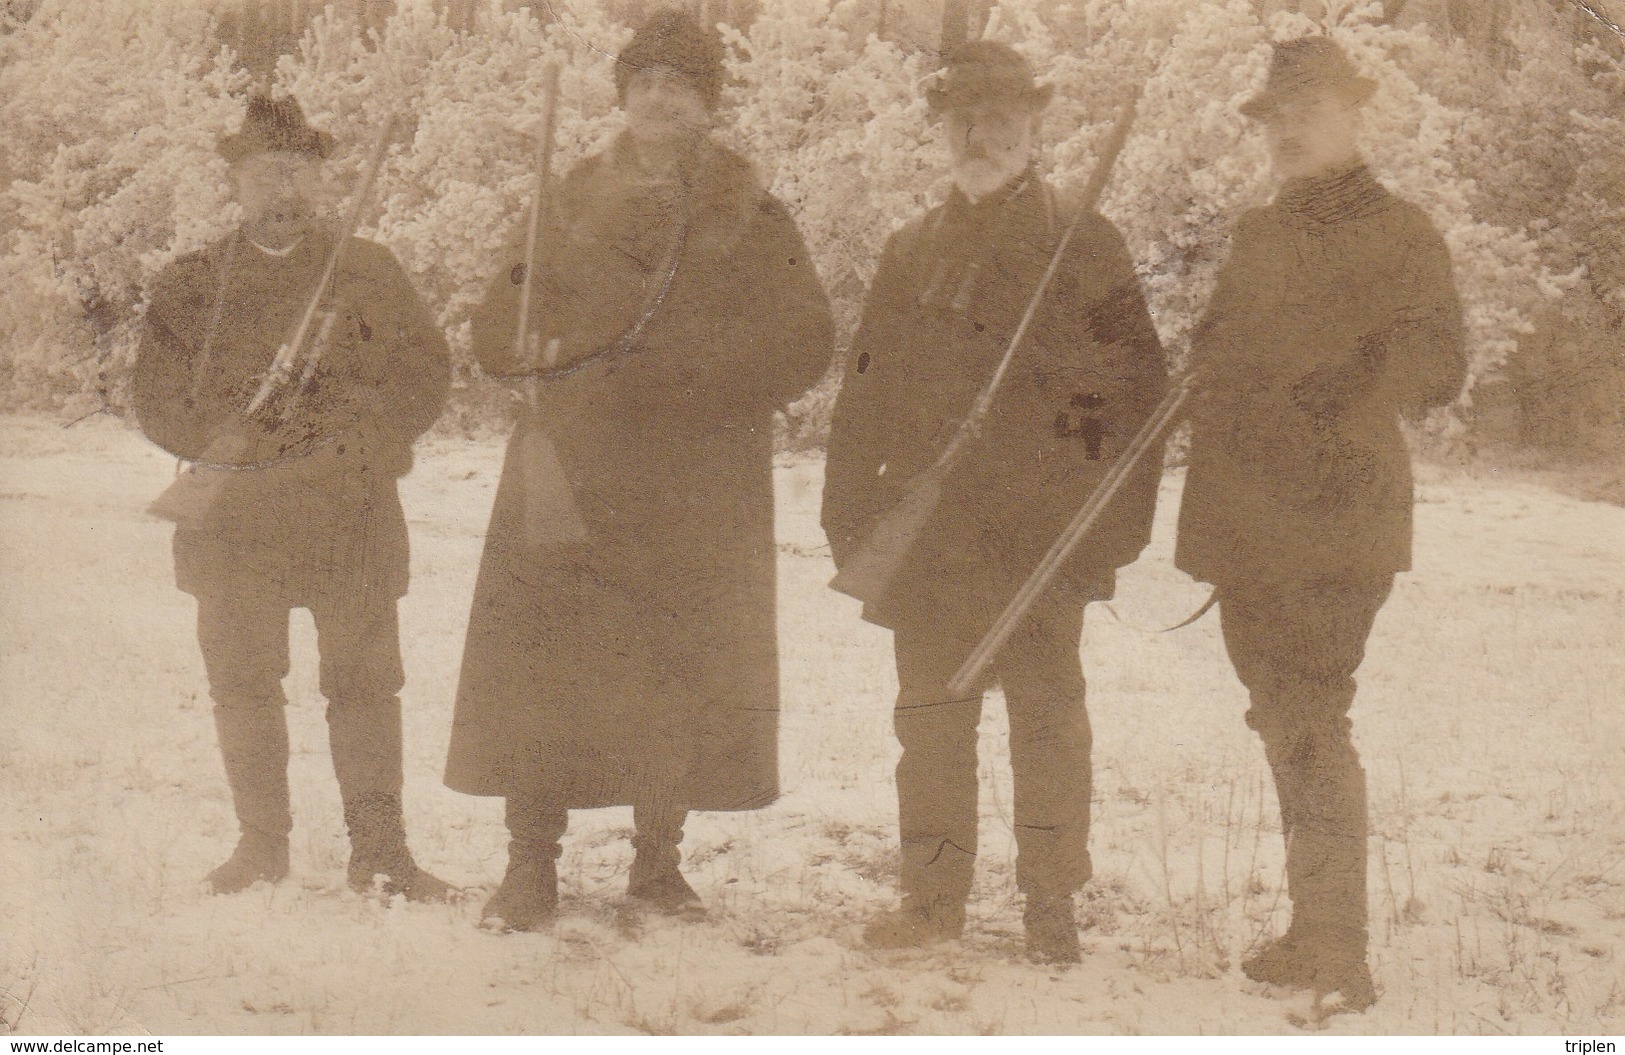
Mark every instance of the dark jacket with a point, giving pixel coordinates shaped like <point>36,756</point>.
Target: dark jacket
<point>1335,314</point>
<point>313,512</point>
<point>949,293</point>
<point>648,654</point>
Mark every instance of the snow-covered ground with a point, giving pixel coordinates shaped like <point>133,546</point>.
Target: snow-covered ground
<point>1491,719</point>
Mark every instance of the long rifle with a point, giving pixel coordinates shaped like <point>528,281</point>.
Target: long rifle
<point>870,571</point>
<point>187,500</point>
<point>1155,427</point>
<point>551,516</point>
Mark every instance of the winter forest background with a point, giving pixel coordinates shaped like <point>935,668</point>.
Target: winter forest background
<point>1505,119</point>
<point>1488,715</point>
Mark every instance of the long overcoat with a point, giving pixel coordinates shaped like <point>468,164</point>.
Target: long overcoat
<point>948,295</point>
<point>1334,314</point>
<point>646,656</point>
<point>311,512</point>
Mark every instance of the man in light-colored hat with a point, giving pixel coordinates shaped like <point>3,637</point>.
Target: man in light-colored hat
<point>949,293</point>
<point>1335,314</point>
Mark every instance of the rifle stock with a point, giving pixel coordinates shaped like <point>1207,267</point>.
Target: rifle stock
<point>550,512</point>
<point>189,497</point>
<point>872,568</point>
<point>869,574</point>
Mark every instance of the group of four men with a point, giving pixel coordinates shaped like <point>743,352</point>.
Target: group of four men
<point>634,661</point>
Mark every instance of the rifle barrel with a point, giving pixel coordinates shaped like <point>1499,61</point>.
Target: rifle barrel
<point>1155,426</point>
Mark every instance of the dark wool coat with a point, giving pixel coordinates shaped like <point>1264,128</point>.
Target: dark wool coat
<point>646,656</point>
<point>1335,313</point>
<point>950,290</point>
<point>314,513</point>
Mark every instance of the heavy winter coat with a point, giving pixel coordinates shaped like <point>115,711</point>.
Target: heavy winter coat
<point>947,297</point>
<point>312,511</point>
<point>1335,313</point>
<point>643,661</point>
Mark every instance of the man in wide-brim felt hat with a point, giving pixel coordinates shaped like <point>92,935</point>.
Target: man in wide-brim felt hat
<point>1335,313</point>
<point>949,293</point>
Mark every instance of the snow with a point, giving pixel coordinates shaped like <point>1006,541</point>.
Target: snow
<point>1490,720</point>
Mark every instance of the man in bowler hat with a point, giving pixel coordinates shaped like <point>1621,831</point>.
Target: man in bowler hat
<point>950,290</point>
<point>306,513</point>
<point>1334,315</point>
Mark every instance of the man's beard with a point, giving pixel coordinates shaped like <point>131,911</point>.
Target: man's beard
<point>977,177</point>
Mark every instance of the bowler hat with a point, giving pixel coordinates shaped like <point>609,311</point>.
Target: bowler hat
<point>1303,64</point>
<point>274,124</point>
<point>674,40</point>
<point>984,70</point>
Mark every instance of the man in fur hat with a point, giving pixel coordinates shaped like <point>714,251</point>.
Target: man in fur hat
<point>305,513</point>
<point>639,665</point>
<point>1335,314</point>
<point>950,291</point>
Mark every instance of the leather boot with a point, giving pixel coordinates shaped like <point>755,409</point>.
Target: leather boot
<point>365,737</point>
<point>528,898</point>
<point>254,746</point>
<point>917,922</point>
<point>655,878</point>
<point>1052,929</point>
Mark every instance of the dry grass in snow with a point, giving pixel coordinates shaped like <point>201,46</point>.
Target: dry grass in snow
<point>1490,720</point>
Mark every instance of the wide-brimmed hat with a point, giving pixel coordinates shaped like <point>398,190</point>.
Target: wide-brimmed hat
<point>1303,64</point>
<point>274,124</point>
<point>674,40</point>
<point>984,70</point>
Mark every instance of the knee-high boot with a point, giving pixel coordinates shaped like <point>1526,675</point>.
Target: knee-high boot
<point>254,746</point>
<point>365,737</point>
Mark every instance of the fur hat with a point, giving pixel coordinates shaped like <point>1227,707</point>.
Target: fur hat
<point>674,40</point>
<point>982,70</point>
<point>274,124</point>
<point>1303,64</point>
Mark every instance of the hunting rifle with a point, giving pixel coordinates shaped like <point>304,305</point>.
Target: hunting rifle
<point>551,516</point>
<point>1155,427</point>
<point>187,500</point>
<point>870,571</point>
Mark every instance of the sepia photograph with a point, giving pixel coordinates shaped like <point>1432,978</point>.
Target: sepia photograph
<point>812,517</point>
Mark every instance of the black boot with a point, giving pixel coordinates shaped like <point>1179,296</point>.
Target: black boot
<point>1052,929</point>
<point>254,746</point>
<point>365,737</point>
<point>528,898</point>
<point>655,879</point>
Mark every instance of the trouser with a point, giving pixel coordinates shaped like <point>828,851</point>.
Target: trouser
<point>244,640</point>
<point>536,824</point>
<point>1296,646</point>
<point>1042,675</point>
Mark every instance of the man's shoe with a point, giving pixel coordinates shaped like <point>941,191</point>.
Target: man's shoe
<point>1352,981</point>
<point>915,924</point>
<point>666,892</point>
<point>528,898</point>
<point>257,857</point>
<point>1283,962</point>
<point>1295,964</point>
<point>395,876</point>
<point>1052,929</point>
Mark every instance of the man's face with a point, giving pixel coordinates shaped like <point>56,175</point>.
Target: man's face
<point>663,108</point>
<point>277,191</point>
<point>989,143</point>
<point>1312,131</point>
